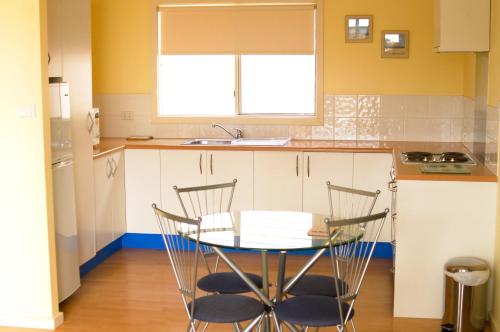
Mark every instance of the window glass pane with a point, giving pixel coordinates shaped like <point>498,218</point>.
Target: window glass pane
<point>196,85</point>
<point>278,84</point>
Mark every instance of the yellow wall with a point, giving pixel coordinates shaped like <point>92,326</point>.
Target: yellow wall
<point>121,44</point>
<point>470,75</point>
<point>358,68</point>
<point>122,38</point>
<point>28,288</point>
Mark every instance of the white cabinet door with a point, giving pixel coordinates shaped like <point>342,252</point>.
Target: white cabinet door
<point>224,166</point>
<point>54,37</point>
<point>320,167</point>
<point>118,195</point>
<point>372,173</point>
<point>278,180</point>
<point>103,171</point>
<point>182,168</point>
<point>142,185</point>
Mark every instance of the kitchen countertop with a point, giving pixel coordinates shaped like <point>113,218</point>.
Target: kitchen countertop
<point>479,172</point>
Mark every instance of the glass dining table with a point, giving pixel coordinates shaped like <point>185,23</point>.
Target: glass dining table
<point>265,232</point>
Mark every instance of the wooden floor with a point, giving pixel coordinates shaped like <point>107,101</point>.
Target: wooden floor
<point>135,290</point>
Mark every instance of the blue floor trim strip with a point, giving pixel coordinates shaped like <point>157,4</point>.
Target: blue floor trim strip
<point>101,256</point>
<point>154,241</point>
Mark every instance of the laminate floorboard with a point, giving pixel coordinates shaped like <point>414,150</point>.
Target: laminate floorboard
<point>135,290</point>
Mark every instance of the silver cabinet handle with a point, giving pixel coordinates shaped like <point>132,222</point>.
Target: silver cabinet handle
<point>109,168</point>
<point>201,159</point>
<point>114,165</point>
<point>308,166</point>
<point>50,58</point>
<point>91,118</point>
<point>211,165</point>
<point>297,165</point>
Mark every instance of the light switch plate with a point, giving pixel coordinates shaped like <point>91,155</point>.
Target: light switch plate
<point>26,111</point>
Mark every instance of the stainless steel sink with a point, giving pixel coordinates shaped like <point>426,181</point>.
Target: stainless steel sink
<point>262,141</point>
<point>209,141</point>
<point>240,142</point>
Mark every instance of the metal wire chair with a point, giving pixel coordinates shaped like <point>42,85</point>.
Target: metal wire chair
<point>203,200</point>
<point>184,258</point>
<point>350,254</point>
<point>345,203</point>
<point>212,199</point>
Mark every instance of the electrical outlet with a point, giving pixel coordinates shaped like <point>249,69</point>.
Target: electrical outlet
<point>127,115</point>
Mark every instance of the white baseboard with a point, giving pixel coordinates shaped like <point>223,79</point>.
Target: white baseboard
<point>47,323</point>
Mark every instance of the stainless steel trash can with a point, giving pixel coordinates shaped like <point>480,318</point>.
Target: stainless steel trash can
<point>465,295</point>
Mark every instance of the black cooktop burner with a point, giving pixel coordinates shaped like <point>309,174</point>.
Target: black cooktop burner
<point>454,157</point>
<point>422,157</point>
<point>419,156</point>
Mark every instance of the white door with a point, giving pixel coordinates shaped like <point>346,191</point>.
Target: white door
<point>77,72</point>
<point>54,37</point>
<point>142,185</point>
<point>224,166</point>
<point>103,171</point>
<point>181,168</point>
<point>278,180</point>
<point>118,193</point>
<point>372,173</point>
<point>320,167</point>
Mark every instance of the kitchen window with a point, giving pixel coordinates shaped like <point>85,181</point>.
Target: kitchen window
<point>241,63</point>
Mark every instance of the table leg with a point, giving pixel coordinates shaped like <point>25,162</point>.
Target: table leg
<point>309,264</point>
<point>265,287</point>
<point>263,296</point>
<point>281,276</point>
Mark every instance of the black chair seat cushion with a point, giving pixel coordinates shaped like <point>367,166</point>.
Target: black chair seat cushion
<point>227,283</point>
<point>314,284</point>
<point>226,308</point>
<point>312,310</point>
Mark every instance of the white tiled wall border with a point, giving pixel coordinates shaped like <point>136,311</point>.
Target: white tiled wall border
<point>347,117</point>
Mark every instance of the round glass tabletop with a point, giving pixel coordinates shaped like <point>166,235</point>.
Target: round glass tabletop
<point>266,230</point>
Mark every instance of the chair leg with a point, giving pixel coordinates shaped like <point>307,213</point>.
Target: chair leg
<point>204,327</point>
<point>276,323</point>
<point>353,325</point>
<point>192,326</point>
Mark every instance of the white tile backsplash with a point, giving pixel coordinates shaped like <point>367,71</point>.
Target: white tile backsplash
<point>346,117</point>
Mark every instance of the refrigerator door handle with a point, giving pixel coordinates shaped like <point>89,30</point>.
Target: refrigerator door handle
<point>62,164</point>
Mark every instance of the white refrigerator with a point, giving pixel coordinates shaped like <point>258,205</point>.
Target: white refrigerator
<point>68,270</point>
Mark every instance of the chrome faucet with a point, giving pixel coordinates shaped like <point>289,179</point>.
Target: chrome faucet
<point>239,132</point>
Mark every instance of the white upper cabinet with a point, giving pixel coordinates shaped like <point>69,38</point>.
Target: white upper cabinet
<point>320,167</point>
<point>224,166</point>
<point>54,36</point>
<point>461,25</point>
<point>278,180</point>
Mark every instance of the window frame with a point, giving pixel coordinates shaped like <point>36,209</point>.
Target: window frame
<point>238,118</point>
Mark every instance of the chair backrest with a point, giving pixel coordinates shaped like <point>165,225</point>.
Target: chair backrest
<point>182,253</point>
<point>351,252</point>
<point>348,203</point>
<point>203,200</point>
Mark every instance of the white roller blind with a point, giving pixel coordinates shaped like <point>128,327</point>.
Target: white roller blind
<point>237,29</point>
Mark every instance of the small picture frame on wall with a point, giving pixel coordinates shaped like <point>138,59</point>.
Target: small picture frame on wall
<point>358,28</point>
<point>395,44</point>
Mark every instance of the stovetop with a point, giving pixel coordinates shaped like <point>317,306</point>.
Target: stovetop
<point>423,157</point>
